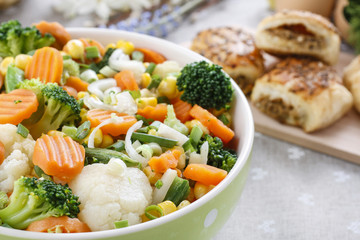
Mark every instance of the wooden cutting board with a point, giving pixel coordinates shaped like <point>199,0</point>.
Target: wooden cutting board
<point>342,139</point>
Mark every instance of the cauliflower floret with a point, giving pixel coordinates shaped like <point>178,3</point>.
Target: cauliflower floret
<point>107,197</point>
<point>18,156</point>
<point>163,69</point>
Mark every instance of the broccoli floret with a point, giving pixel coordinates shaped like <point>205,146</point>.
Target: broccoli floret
<point>14,39</point>
<point>173,122</point>
<point>218,156</point>
<point>57,105</point>
<point>205,84</point>
<point>35,199</point>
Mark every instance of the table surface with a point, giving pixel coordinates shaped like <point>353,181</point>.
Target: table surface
<point>291,192</point>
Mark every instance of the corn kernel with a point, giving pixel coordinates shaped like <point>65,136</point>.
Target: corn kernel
<point>75,48</point>
<point>183,204</point>
<point>192,123</point>
<point>200,190</point>
<point>168,207</point>
<point>83,115</point>
<point>126,46</point>
<point>151,175</point>
<point>107,141</point>
<point>146,64</point>
<point>82,94</point>
<point>153,132</point>
<point>100,76</point>
<point>54,133</point>
<point>110,45</point>
<point>22,60</point>
<point>98,137</point>
<point>167,87</point>
<point>5,63</point>
<point>148,101</point>
<point>145,80</point>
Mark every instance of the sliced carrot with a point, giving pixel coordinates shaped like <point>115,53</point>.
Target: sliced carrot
<point>17,106</point>
<point>46,64</point>
<point>59,156</point>
<point>56,30</point>
<point>126,80</point>
<point>64,224</point>
<point>71,91</point>
<point>215,126</point>
<point>97,116</point>
<point>204,173</point>
<point>2,152</point>
<point>168,159</point>
<point>77,83</point>
<point>158,112</point>
<point>182,109</point>
<point>151,55</point>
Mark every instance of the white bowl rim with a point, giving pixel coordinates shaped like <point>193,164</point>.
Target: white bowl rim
<point>242,159</point>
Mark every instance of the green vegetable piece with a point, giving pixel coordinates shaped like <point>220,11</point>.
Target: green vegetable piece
<point>137,55</point>
<point>224,119</point>
<point>105,60</point>
<point>22,130</point>
<point>66,57</point>
<point>92,52</point>
<point>35,199</point>
<point>121,224</point>
<point>117,146</point>
<point>13,77</point>
<point>108,72</point>
<point>150,69</point>
<point>163,99</point>
<point>40,173</point>
<point>159,184</point>
<point>147,138</point>
<point>205,84</point>
<point>70,68</point>
<point>155,82</point>
<point>188,146</point>
<point>4,200</point>
<point>155,125</point>
<point>196,134</point>
<point>135,94</point>
<point>178,191</point>
<point>103,155</point>
<point>153,212</point>
<point>146,121</point>
<point>70,131</point>
<point>83,130</point>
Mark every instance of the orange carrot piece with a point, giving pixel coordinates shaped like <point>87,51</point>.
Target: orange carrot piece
<point>151,55</point>
<point>126,80</point>
<point>56,30</point>
<point>1,80</point>
<point>59,156</point>
<point>157,113</point>
<point>215,126</point>
<point>168,159</point>
<point>71,91</point>
<point>17,106</point>
<point>77,83</point>
<point>64,223</point>
<point>2,152</point>
<point>97,116</point>
<point>46,64</point>
<point>204,173</point>
<point>182,109</point>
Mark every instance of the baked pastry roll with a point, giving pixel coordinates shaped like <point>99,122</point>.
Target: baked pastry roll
<point>234,49</point>
<point>352,80</point>
<point>302,92</point>
<point>300,33</point>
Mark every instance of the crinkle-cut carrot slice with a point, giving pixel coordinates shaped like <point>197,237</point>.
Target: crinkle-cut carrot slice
<point>17,106</point>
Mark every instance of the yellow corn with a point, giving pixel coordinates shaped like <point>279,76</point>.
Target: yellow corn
<point>100,76</point>
<point>110,45</point>
<point>83,115</point>
<point>182,159</point>
<point>152,132</point>
<point>168,207</point>
<point>192,123</point>
<point>126,46</point>
<point>82,94</point>
<point>167,87</point>
<point>54,133</point>
<point>146,101</point>
<point>183,204</point>
<point>151,175</point>
<point>146,64</point>
<point>106,141</point>
<point>145,80</point>
<point>144,218</point>
<point>200,190</point>
<point>75,48</point>
<point>98,137</point>
<point>22,60</point>
<point>5,63</point>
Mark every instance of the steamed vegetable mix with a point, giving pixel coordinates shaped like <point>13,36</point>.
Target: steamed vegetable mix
<point>97,137</point>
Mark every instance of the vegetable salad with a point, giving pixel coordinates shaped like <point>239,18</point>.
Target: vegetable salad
<point>97,137</point>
